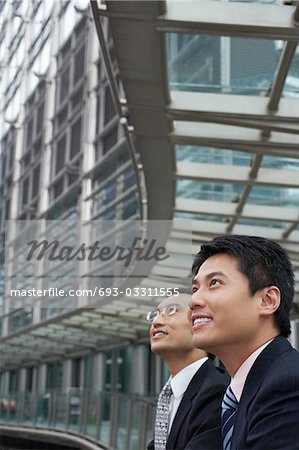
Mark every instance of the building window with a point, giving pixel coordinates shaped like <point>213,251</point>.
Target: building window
<point>32,151</point>
<point>6,169</point>
<point>69,117</point>
<point>13,381</point>
<point>79,64</point>
<point>109,106</point>
<point>54,375</point>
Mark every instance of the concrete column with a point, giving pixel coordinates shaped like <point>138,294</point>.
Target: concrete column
<point>140,369</point>
<point>98,379</point>
<point>22,379</point>
<point>67,374</point>
<point>41,384</point>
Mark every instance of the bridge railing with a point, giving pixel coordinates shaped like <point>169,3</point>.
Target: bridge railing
<point>114,420</point>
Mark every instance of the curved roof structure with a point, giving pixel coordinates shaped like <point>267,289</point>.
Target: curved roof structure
<point>211,100</point>
<point>212,93</point>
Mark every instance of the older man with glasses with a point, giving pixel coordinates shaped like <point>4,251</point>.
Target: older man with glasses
<point>188,412</point>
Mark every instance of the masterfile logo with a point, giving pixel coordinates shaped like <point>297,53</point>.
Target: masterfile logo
<point>139,250</point>
<point>72,263</point>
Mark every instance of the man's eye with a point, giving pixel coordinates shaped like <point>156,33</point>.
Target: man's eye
<point>215,282</point>
<point>194,289</point>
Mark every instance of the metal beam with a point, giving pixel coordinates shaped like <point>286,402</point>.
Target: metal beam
<point>226,209</point>
<point>234,138</point>
<point>229,110</point>
<point>198,103</point>
<point>236,174</point>
<point>230,19</point>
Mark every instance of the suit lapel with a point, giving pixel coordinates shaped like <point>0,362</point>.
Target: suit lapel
<point>254,379</point>
<point>193,389</point>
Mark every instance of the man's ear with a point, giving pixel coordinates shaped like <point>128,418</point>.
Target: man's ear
<point>270,300</point>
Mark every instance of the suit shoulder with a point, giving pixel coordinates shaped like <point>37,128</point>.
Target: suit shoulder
<point>218,375</point>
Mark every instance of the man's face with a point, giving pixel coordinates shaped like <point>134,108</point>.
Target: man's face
<point>172,333</point>
<point>224,314</point>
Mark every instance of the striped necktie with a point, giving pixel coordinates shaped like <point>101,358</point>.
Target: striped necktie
<point>162,417</point>
<point>228,417</point>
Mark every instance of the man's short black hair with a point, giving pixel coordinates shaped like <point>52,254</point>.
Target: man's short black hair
<point>263,262</point>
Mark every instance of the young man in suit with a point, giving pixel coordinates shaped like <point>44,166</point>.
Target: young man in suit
<point>193,420</point>
<point>243,288</point>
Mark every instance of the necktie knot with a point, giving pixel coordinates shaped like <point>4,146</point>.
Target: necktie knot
<point>228,417</point>
<point>162,417</point>
<point>166,391</point>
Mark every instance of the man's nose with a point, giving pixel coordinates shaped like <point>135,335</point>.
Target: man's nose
<point>159,319</point>
<point>198,300</point>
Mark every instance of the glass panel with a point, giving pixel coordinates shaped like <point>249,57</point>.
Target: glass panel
<point>130,206</point>
<point>209,155</point>
<point>274,196</point>
<point>29,131</point>
<point>193,62</point>
<point>79,64</point>
<point>92,414</point>
<point>60,154</point>
<point>74,409</point>
<point>13,406</point>
<point>64,84</point>
<point>4,409</point>
<point>136,426</point>
<point>54,375</point>
<point>291,87</point>
<point>109,106</point>
<point>60,408</point>
<point>43,410</point>
<point>108,192</point>
<point>278,2</point>
<point>58,188</point>
<point>129,178</point>
<point>29,409</point>
<point>225,192</point>
<point>62,116</point>
<point>76,138</point>
<point>77,98</point>
<point>88,371</point>
<point>40,119</point>
<point>105,418</point>
<point>25,191</point>
<point>274,162</point>
<point>35,186</point>
<point>125,411</point>
<point>109,140</point>
<point>124,365</point>
<point>221,64</point>
<point>194,216</point>
<point>263,223</point>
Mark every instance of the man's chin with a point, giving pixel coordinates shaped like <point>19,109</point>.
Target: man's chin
<point>159,349</point>
<point>200,343</point>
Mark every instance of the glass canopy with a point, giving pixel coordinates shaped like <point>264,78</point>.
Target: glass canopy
<point>214,86</point>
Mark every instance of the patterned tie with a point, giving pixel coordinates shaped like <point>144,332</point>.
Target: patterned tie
<point>162,417</point>
<point>228,416</point>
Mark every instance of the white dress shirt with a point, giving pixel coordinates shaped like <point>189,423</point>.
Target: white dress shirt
<point>179,384</point>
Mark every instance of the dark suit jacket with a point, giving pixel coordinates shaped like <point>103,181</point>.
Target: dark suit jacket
<point>197,423</point>
<point>268,414</point>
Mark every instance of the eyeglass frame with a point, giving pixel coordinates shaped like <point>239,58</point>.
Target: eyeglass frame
<point>163,312</point>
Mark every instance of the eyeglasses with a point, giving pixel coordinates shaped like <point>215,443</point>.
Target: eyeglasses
<point>166,311</point>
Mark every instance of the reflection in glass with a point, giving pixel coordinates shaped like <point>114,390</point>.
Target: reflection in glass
<point>209,155</point>
<point>274,196</point>
<point>234,65</point>
<point>201,190</point>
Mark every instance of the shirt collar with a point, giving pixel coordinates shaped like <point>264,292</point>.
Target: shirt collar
<point>180,381</point>
<point>238,381</point>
